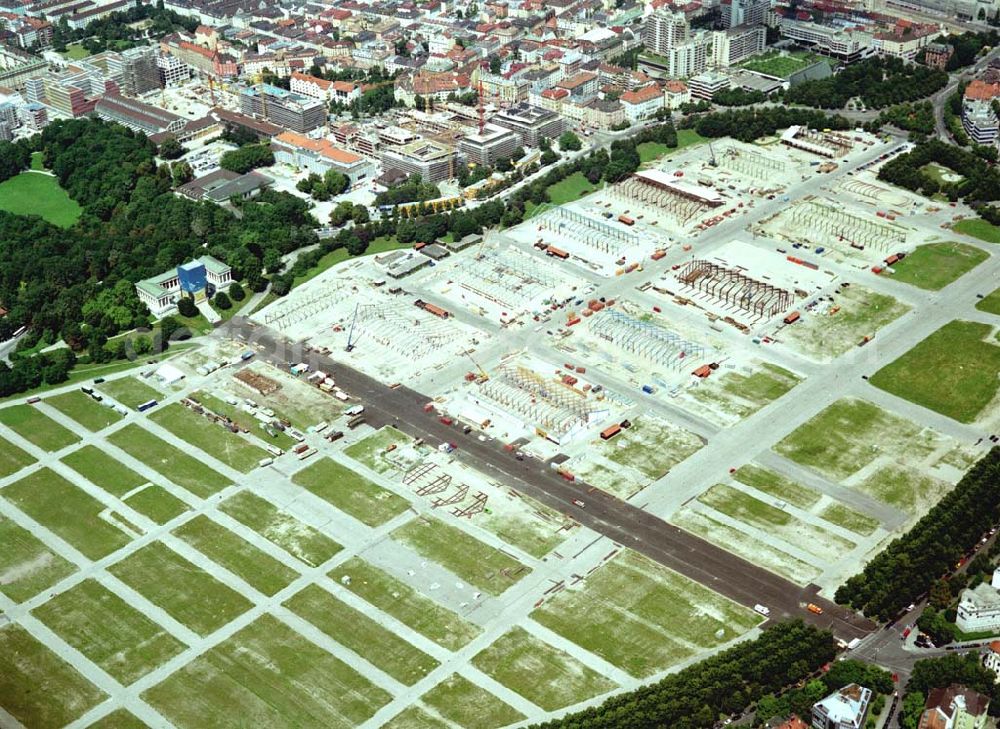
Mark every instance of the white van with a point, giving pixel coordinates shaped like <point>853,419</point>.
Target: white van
<point>356,410</point>
<point>766,612</point>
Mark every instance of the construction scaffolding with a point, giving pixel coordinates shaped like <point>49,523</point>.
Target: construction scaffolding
<point>633,190</point>
<point>295,309</point>
<point>840,226</point>
<point>735,289</point>
<point>645,339</point>
<point>750,163</point>
<point>550,404</point>
<point>410,335</point>
<point>509,278</point>
<point>590,231</point>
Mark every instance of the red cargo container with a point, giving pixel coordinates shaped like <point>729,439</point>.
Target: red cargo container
<point>569,380</point>
<point>596,306</point>
<point>625,220</point>
<point>611,431</point>
<point>436,310</point>
<point>703,371</point>
<point>446,420</point>
<point>557,252</point>
<point>891,259</point>
<point>574,320</point>
<point>792,317</point>
<point>657,255</point>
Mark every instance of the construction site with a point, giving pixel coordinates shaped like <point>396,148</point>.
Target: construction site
<point>422,482</point>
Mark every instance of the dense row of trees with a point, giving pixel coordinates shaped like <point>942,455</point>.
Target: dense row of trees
<point>980,183</point>
<point>246,158</point>
<point>880,82</point>
<point>14,159</point>
<point>750,124</point>
<point>727,683</point>
<point>738,97</point>
<point>413,190</point>
<point>332,183</point>
<point>26,373</point>
<point>907,568</point>
<point>917,118</point>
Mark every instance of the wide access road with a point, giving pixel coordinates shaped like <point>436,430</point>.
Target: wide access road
<point>620,521</point>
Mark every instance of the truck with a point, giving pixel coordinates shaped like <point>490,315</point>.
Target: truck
<point>765,611</point>
<point>611,431</point>
<point>147,405</point>
<point>814,608</point>
<point>556,252</point>
<point>792,317</point>
<point>648,389</point>
<point>355,421</point>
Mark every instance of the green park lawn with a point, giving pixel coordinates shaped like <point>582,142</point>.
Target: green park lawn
<point>27,566</point>
<point>935,265</point>
<point>84,409</point>
<point>990,304</point>
<point>219,442</point>
<point>36,427</point>
<point>180,467</point>
<point>266,675</point>
<point>34,193</point>
<point>777,64</point>
<point>350,492</point>
<point>953,371</point>
<point>109,631</point>
<point>978,228</point>
<point>652,151</point>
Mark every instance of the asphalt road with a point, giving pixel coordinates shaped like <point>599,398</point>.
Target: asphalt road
<point>627,525</point>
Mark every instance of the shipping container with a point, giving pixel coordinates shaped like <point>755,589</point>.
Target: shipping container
<point>813,608</point>
<point>557,252</point>
<point>657,255</point>
<point>611,431</point>
<point>625,220</point>
<point>703,371</point>
<point>648,389</point>
<point>792,317</point>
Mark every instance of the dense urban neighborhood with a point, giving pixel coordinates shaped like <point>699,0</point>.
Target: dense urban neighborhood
<point>466,364</point>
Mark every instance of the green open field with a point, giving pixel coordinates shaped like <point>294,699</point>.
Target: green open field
<point>642,617</point>
<point>84,410</point>
<point>157,504</point>
<point>350,492</point>
<point>779,64</point>
<point>652,446</point>
<point>370,450</point>
<point>775,522</point>
<point>478,564</point>
<point>777,485</point>
<point>102,470</point>
<point>189,594</point>
<point>75,51</point>
<point>402,602</point>
<point>848,518</point>
<point>118,719</point>
<point>742,394</point>
<point>414,717</point>
<point>953,371</point>
<point>68,511</point>
<point>355,630</point>
<point>266,675</point>
<point>567,190</point>
<point>107,630</point>
<point>181,468</point>
<point>978,228</point>
<point>941,174</point>
<point>862,313</point>
<point>746,545</point>
<point>990,304</point>
<point>469,705</point>
<point>35,193</point>
<point>27,566</point>
<point>546,676</point>
<point>839,441</point>
<point>12,458</point>
<point>281,528</point>
<point>39,689</point>
<point>935,265</point>
<point>905,489</point>
<point>37,428</point>
<point>526,524</point>
<point>260,570</point>
<point>129,391</point>
<point>652,151</point>
<point>216,441</point>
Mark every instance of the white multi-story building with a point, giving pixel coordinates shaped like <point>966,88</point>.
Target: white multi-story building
<point>845,45</point>
<point>662,31</point>
<point>743,12</point>
<point>979,608</point>
<point>737,44</point>
<point>846,708</point>
<point>978,117</point>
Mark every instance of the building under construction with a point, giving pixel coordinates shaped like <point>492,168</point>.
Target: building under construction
<point>432,160</point>
<point>491,144</point>
<point>293,111</point>
<point>735,290</point>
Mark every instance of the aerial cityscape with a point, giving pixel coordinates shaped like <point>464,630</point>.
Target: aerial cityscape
<point>443,364</point>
